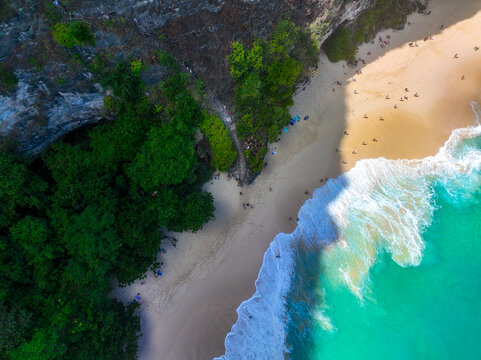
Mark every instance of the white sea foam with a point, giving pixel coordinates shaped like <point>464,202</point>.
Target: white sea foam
<point>379,205</point>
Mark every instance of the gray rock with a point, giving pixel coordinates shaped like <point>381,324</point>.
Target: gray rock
<point>35,117</point>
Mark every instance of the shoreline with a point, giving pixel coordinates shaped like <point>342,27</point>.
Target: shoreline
<point>187,313</point>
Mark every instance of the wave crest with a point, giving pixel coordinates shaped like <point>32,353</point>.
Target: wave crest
<point>379,205</point>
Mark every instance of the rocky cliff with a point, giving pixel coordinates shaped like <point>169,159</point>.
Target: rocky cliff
<point>56,93</point>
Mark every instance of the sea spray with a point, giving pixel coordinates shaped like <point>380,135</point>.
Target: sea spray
<point>379,207</point>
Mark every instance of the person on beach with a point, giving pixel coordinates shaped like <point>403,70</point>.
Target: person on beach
<point>416,95</point>
<point>395,106</point>
<point>456,56</point>
<point>387,97</point>
<point>354,152</point>
<point>345,132</point>
<point>374,139</point>
<point>381,118</point>
<point>364,143</point>
<point>365,116</point>
<point>463,77</point>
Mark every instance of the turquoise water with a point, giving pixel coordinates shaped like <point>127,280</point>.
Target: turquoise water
<point>385,263</point>
<point>429,311</point>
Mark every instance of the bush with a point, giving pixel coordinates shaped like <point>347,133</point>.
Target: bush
<point>126,82</point>
<point>256,162</point>
<point>339,47</point>
<point>223,151</point>
<point>166,59</point>
<point>72,34</point>
<point>245,126</point>
<point>136,67</point>
<point>8,80</point>
<point>6,9</point>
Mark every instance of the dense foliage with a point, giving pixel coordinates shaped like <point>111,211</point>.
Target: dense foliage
<point>72,34</point>
<point>8,80</point>
<point>223,151</point>
<point>265,77</point>
<point>343,43</point>
<point>339,46</point>
<point>91,208</point>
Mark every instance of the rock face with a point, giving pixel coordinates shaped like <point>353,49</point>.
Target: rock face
<point>55,93</point>
<point>37,117</point>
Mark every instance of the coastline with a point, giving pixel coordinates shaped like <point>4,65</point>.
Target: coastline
<point>187,313</point>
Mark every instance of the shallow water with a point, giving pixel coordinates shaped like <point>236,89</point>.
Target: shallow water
<point>428,311</point>
<point>384,263</point>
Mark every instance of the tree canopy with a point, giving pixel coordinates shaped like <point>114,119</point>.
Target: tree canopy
<point>91,208</point>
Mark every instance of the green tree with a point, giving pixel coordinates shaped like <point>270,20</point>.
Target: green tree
<point>19,188</point>
<point>14,325</point>
<point>8,80</point>
<point>166,59</point>
<point>79,180</point>
<point>72,34</point>
<point>126,83</point>
<point>223,151</point>
<point>166,158</point>
<point>197,209</point>
<point>115,143</point>
<point>93,244</point>
<point>237,60</point>
<point>339,47</point>
<point>32,235</point>
<point>248,93</point>
<point>138,225</point>
<point>44,345</point>
<point>281,77</point>
<point>255,55</point>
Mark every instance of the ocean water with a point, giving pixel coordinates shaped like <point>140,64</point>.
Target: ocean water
<point>385,263</point>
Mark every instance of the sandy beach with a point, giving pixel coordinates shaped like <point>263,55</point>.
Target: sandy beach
<point>187,312</point>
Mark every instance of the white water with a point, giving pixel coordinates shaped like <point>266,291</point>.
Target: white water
<point>387,200</point>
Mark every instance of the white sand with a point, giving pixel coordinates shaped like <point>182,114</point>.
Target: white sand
<point>188,311</point>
